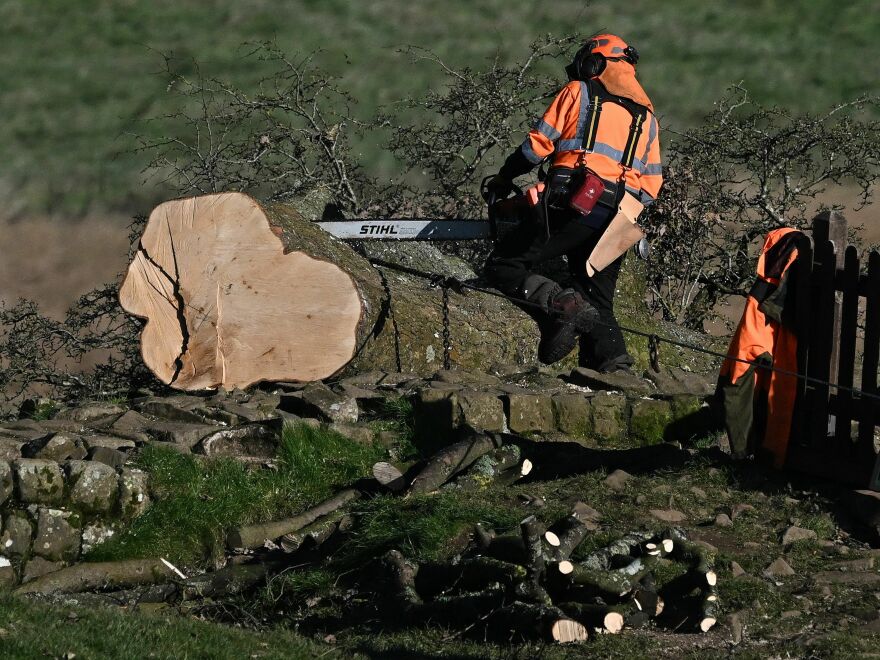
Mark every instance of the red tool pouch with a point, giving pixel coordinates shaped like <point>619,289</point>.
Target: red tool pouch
<point>585,195</point>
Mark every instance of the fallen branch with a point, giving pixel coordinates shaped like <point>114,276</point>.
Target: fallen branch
<point>607,618</point>
<point>434,578</point>
<point>526,620</point>
<point>253,536</point>
<point>450,461</point>
<point>316,533</point>
<point>227,581</point>
<point>100,576</point>
<point>566,535</point>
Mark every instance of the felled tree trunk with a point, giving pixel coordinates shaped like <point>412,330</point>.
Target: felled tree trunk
<point>235,293</point>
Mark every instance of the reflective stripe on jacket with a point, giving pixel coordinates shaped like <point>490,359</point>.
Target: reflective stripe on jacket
<point>561,132</point>
<point>759,404</point>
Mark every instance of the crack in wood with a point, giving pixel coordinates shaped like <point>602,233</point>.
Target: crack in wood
<point>178,303</point>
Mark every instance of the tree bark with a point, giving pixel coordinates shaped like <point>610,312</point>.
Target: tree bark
<point>100,576</point>
<point>235,293</point>
<point>253,536</point>
<point>450,461</point>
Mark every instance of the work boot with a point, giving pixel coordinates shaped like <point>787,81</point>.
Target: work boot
<point>621,364</point>
<point>570,315</point>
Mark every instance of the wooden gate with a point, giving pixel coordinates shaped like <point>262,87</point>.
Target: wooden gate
<point>833,428</point>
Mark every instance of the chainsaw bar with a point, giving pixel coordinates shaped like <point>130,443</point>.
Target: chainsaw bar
<point>409,230</point>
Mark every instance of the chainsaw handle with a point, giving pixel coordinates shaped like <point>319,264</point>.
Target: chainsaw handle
<point>491,198</point>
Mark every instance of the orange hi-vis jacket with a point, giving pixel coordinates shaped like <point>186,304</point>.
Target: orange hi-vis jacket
<point>561,132</point>
<point>748,394</point>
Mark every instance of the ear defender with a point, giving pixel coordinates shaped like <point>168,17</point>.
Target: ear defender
<point>588,64</point>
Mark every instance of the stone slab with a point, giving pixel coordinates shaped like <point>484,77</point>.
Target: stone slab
<point>38,481</point>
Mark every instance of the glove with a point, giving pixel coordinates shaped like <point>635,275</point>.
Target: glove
<point>500,185</point>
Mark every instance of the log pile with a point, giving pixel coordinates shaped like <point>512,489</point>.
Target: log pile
<point>531,583</point>
<point>525,585</point>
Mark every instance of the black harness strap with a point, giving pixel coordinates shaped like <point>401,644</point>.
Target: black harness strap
<point>600,95</point>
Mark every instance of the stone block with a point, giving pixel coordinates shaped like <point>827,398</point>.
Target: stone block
<point>180,433</point>
<point>608,416</point>
<point>38,567</point>
<point>17,533</point>
<point>260,440</point>
<point>529,413</point>
<point>108,441</point>
<point>674,381</point>
<point>617,382</point>
<point>134,494</point>
<point>38,481</point>
<point>89,412</point>
<point>7,575</point>
<point>7,483</point>
<point>356,432</point>
<point>10,448</point>
<point>369,402</point>
<point>366,379</point>
<point>56,447</point>
<point>111,457</point>
<point>236,413</point>
<point>171,410</point>
<point>95,534</point>
<point>435,415</point>
<point>469,379</point>
<point>319,401</point>
<point>480,410</point>
<point>56,539</point>
<point>648,421</point>
<point>130,422</point>
<point>574,415</point>
<point>93,486</point>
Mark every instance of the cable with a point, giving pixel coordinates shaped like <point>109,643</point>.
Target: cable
<point>455,284</point>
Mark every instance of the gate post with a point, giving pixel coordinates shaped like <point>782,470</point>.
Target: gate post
<point>831,226</point>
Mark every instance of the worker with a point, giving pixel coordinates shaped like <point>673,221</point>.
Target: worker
<point>601,124</point>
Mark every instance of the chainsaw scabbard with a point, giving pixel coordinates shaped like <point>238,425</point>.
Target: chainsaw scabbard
<point>620,235</point>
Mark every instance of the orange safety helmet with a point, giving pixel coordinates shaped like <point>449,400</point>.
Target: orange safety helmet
<point>591,60</point>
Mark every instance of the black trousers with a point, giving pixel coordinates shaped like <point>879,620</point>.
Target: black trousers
<point>575,237</point>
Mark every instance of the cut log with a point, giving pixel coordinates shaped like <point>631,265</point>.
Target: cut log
<point>317,532</point>
<point>402,576</point>
<point>598,617</point>
<point>699,558</point>
<point>610,583</point>
<point>523,620</point>
<point>500,465</point>
<point>227,581</point>
<point>566,535</point>
<point>624,546</point>
<point>462,609</point>
<point>235,293</point>
<point>100,576</point>
<point>709,611</point>
<point>507,548</point>
<point>471,574</point>
<point>253,536</point>
<point>530,529</point>
<point>452,460</point>
<point>483,537</point>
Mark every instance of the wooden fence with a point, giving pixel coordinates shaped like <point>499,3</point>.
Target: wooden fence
<point>833,428</point>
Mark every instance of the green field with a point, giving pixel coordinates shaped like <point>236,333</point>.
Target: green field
<point>79,76</point>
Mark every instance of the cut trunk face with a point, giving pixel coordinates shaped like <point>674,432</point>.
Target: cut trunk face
<point>225,306</point>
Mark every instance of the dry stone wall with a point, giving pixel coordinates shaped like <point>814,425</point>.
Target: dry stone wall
<point>68,483</point>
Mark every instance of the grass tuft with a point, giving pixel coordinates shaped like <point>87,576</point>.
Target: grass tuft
<point>197,500</point>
